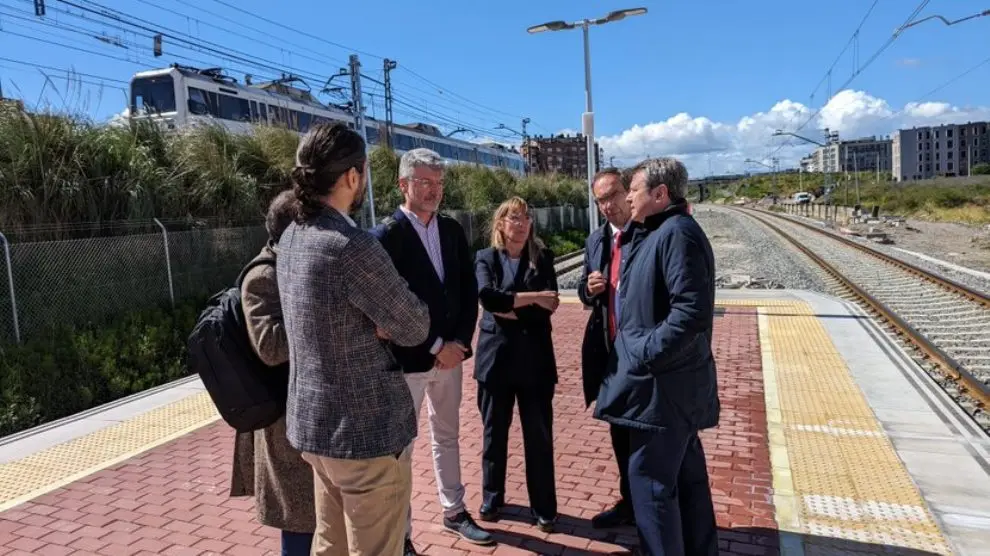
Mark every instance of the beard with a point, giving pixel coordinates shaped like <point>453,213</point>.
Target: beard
<point>358,200</point>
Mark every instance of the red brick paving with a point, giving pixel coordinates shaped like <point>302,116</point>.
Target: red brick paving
<point>173,500</point>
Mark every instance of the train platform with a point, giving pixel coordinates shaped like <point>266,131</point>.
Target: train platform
<point>832,441</point>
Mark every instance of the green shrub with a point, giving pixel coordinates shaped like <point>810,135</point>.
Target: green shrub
<point>567,241</point>
<point>76,369</point>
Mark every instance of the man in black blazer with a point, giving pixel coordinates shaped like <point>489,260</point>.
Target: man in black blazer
<point>596,289</point>
<point>430,251</point>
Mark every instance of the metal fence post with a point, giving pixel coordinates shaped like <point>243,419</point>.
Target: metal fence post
<point>10,283</point>
<point>168,262</point>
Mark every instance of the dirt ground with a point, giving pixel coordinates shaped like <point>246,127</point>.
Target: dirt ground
<point>961,244</point>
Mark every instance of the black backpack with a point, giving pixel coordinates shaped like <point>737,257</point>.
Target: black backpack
<point>248,394</point>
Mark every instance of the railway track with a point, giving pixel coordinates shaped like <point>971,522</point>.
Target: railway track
<point>568,262</point>
<point>945,325</point>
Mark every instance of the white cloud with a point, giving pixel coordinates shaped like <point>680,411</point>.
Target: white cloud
<point>724,146</point>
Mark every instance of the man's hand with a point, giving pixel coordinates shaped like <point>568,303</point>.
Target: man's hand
<point>382,335</point>
<point>450,355</point>
<point>596,283</point>
<point>511,315</point>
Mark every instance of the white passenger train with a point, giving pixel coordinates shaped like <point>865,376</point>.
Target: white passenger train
<point>180,96</point>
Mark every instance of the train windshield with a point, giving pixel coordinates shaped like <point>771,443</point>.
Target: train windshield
<point>154,95</point>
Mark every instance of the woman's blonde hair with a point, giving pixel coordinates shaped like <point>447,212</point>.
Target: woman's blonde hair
<point>509,206</point>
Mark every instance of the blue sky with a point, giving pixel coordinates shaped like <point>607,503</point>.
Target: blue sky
<point>696,79</point>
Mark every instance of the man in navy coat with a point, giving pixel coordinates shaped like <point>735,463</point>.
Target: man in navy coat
<point>596,288</point>
<point>661,384</point>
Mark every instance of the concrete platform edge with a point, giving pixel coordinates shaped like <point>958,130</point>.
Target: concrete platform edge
<point>942,448</point>
<point>67,429</point>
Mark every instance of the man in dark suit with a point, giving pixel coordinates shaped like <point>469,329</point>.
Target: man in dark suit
<point>431,253</point>
<point>596,288</point>
<point>661,380</point>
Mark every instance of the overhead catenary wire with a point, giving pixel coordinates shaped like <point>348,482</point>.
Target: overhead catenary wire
<point>856,71</point>
<point>200,44</point>
<point>363,53</point>
<point>89,34</point>
<point>95,12</point>
<point>221,50</point>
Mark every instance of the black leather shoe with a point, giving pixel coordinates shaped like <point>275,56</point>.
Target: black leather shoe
<point>465,527</point>
<point>545,525</point>
<point>616,516</point>
<point>409,549</point>
<point>488,512</point>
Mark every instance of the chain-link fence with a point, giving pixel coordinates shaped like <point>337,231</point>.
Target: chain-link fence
<point>90,273</point>
<point>135,266</point>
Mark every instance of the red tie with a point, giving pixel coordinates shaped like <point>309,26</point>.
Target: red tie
<point>613,280</point>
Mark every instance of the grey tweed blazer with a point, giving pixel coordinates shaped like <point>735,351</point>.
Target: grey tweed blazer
<point>347,395</point>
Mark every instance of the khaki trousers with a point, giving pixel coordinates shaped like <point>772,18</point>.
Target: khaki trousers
<point>361,505</point>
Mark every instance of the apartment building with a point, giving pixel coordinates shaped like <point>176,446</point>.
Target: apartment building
<point>940,151</point>
<point>866,154</point>
<point>563,154</point>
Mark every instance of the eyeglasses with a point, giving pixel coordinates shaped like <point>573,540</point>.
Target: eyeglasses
<point>518,219</point>
<point>611,198</point>
<point>427,183</point>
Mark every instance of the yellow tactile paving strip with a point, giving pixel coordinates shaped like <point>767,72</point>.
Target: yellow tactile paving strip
<point>836,474</point>
<point>52,468</point>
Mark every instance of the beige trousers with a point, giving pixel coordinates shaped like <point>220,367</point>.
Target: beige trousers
<point>361,505</point>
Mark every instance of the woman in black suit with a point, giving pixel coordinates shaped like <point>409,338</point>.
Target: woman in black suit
<point>514,361</point>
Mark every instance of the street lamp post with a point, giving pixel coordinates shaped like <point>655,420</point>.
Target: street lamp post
<point>588,118</point>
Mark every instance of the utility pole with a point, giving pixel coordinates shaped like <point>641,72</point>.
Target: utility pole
<point>388,66</point>
<point>856,171</point>
<point>774,162</point>
<point>525,142</point>
<point>355,67</point>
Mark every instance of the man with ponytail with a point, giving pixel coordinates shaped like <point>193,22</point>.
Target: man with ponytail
<point>349,409</point>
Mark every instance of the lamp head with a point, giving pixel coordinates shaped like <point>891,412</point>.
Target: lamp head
<point>619,15</point>
<point>550,26</point>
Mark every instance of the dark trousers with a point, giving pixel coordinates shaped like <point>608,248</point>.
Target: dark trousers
<point>296,544</point>
<point>536,416</point>
<point>672,502</point>
<point>620,446</point>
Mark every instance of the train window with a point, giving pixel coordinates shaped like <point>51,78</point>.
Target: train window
<point>153,95</point>
<point>199,102</point>
<point>372,135</point>
<point>233,108</point>
<point>305,120</point>
<point>254,111</point>
<point>278,115</point>
<point>263,112</point>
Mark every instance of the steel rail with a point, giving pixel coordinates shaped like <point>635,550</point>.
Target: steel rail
<point>964,380</point>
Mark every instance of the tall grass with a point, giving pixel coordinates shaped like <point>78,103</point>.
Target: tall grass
<point>58,170</point>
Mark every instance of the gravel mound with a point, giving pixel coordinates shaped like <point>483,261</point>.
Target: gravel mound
<point>747,255</point>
